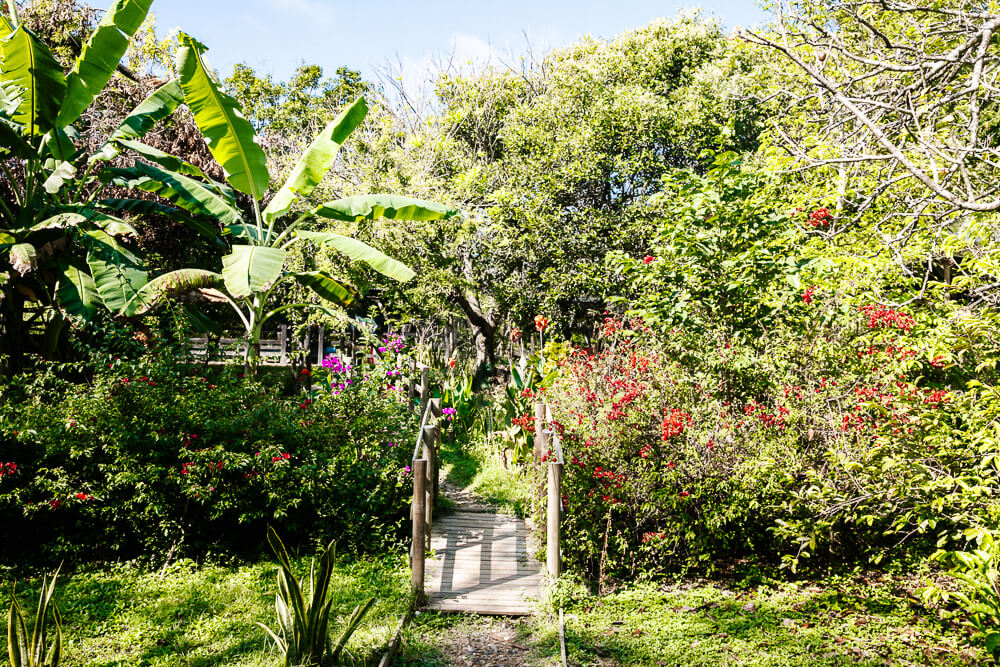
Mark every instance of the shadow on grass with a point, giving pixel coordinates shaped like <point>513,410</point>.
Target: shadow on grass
<point>705,626</point>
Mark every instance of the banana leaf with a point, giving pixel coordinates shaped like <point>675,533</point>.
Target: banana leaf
<point>30,74</point>
<point>148,207</point>
<point>363,252</point>
<point>229,135</point>
<point>250,269</point>
<point>393,207</point>
<point>161,103</point>
<point>326,286</point>
<point>314,164</point>
<point>179,189</point>
<point>100,56</point>
<point>76,292</point>
<point>173,284</point>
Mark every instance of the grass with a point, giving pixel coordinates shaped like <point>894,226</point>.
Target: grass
<point>861,618</point>
<point>478,467</point>
<point>204,615</point>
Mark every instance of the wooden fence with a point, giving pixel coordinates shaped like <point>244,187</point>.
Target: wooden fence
<point>424,467</point>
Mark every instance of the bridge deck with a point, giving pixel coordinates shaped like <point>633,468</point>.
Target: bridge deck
<point>482,565</point>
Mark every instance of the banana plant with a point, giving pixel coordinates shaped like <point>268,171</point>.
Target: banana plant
<point>61,245</point>
<point>255,266</point>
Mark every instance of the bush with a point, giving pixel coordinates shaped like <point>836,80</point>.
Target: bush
<point>839,433</point>
<point>149,456</point>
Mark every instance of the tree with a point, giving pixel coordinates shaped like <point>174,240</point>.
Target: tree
<point>905,92</point>
<point>255,264</point>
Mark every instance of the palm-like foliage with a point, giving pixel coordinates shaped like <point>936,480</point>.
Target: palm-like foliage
<point>303,634</point>
<point>61,247</point>
<point>256,262</point>
<point>35,650</point>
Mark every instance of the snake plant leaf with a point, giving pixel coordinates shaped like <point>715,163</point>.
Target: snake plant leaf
<point>363,252</point>
<point>31,75</point>
<point>179,189</point>
<point>100,56</point>
<point>76,292</point>
<point>229,135</point>
<point>249,268</point>
<point>314,164</point>
<point>326,286</point>
<point>173,284</point>
<point>23,257</point>
<point>393,207</point>
<point>160,104</point>
<point>148,207</point>
<point>17,635</point>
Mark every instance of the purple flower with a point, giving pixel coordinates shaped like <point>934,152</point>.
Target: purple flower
<point>406,470</point>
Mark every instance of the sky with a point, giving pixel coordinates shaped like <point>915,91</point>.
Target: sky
<point>410,38</point>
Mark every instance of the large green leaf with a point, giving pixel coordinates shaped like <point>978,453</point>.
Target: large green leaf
<point>76,291</point>
<point>110,248</point>
<point>229,135</point>
<point>326,286</point>
<point>11,140</point>
<point>183,191</point>
<point>100,56</point>
<point>314,164</point>
<point>250,269</point>
<point>160,104</point>
<point>363,252</point>
<point>31,75</point>
<point>165,160</point>
<point>174,284</point>
<point>393,207</point>
<point>148,207</point>
<point>118,283</point>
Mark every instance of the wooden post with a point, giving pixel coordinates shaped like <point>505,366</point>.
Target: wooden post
<point>431,433</point>
<point>283,343</point>
<point>411,386</point>
<point>539,432</point>
<point>417,548</point>
<point>553,516</point>
<point>309,367</point>
<point>425,387</point>
<point>320,346</point>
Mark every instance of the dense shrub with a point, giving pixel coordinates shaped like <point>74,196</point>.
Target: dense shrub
<point>845,437</point>
<point>149,455</point>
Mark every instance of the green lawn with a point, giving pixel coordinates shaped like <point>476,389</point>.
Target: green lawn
<point>200,616</point>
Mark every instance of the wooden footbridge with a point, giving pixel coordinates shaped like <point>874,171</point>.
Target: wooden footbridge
<point>479,562</point>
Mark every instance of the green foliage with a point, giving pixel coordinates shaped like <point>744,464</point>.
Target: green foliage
<point>303,636</point>
<point>150,454</point>
<point>34,650</point>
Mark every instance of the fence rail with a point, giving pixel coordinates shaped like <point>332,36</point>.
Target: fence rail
<point>424,467</point>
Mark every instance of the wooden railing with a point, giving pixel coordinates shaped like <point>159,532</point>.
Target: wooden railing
<point>549,448</point>
<point>424,467</point>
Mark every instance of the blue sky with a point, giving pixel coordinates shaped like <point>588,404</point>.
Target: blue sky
<point>274,36</point>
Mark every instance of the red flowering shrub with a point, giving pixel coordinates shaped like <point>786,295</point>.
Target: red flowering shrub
<point>847,441</point>
<point>650,451</point>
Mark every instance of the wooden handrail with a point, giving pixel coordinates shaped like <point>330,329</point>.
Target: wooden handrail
<point>425,488</point>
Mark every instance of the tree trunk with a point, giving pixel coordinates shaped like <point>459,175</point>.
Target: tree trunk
<point>483,336</point>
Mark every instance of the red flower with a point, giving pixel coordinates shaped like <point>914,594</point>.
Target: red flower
<point>684,494</point>
<point>541,322</point>
<point>515,335</point>
<point>83,496</point>
<point>451,363</point>
<point>648,259</point>
<point>807,296</point>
